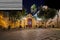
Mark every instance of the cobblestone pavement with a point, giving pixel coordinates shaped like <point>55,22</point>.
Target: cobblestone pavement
<point>31,34</point>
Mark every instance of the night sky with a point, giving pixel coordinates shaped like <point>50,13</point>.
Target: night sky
<point>53,3</point>
<point>50,3</point>
<point>27,4</point>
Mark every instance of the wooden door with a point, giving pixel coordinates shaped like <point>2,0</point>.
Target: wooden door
<point>29,22</point>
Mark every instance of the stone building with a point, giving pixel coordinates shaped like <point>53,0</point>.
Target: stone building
<point>4,21</point>
<point>28,21</point>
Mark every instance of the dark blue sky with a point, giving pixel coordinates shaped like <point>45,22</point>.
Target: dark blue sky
<point>27,4</point>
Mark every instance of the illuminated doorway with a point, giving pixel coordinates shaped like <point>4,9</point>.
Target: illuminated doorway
<point>29,22</point>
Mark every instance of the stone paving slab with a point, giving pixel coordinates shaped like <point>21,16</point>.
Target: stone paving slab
<point>31,34</point>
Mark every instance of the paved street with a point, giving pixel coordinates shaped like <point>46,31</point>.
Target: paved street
<point>31,34</point>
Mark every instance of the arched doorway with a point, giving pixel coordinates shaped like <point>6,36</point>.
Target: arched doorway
<point>29,22</point>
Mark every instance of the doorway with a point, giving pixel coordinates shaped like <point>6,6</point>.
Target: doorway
<point>29,22</point>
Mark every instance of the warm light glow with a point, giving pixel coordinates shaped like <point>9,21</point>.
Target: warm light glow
<point>45,7</point>
<point>24,18</point>
<point>3,22</point>
<point>39,19</point>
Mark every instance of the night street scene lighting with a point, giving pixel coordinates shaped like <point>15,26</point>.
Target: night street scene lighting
<point>29,20</point>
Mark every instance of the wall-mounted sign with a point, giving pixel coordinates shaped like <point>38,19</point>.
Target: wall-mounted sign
<point>10,4</point>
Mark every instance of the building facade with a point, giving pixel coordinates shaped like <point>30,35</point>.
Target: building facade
<point>28,21</point>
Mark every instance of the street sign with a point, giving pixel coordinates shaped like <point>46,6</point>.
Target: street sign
<point>10,4</point>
